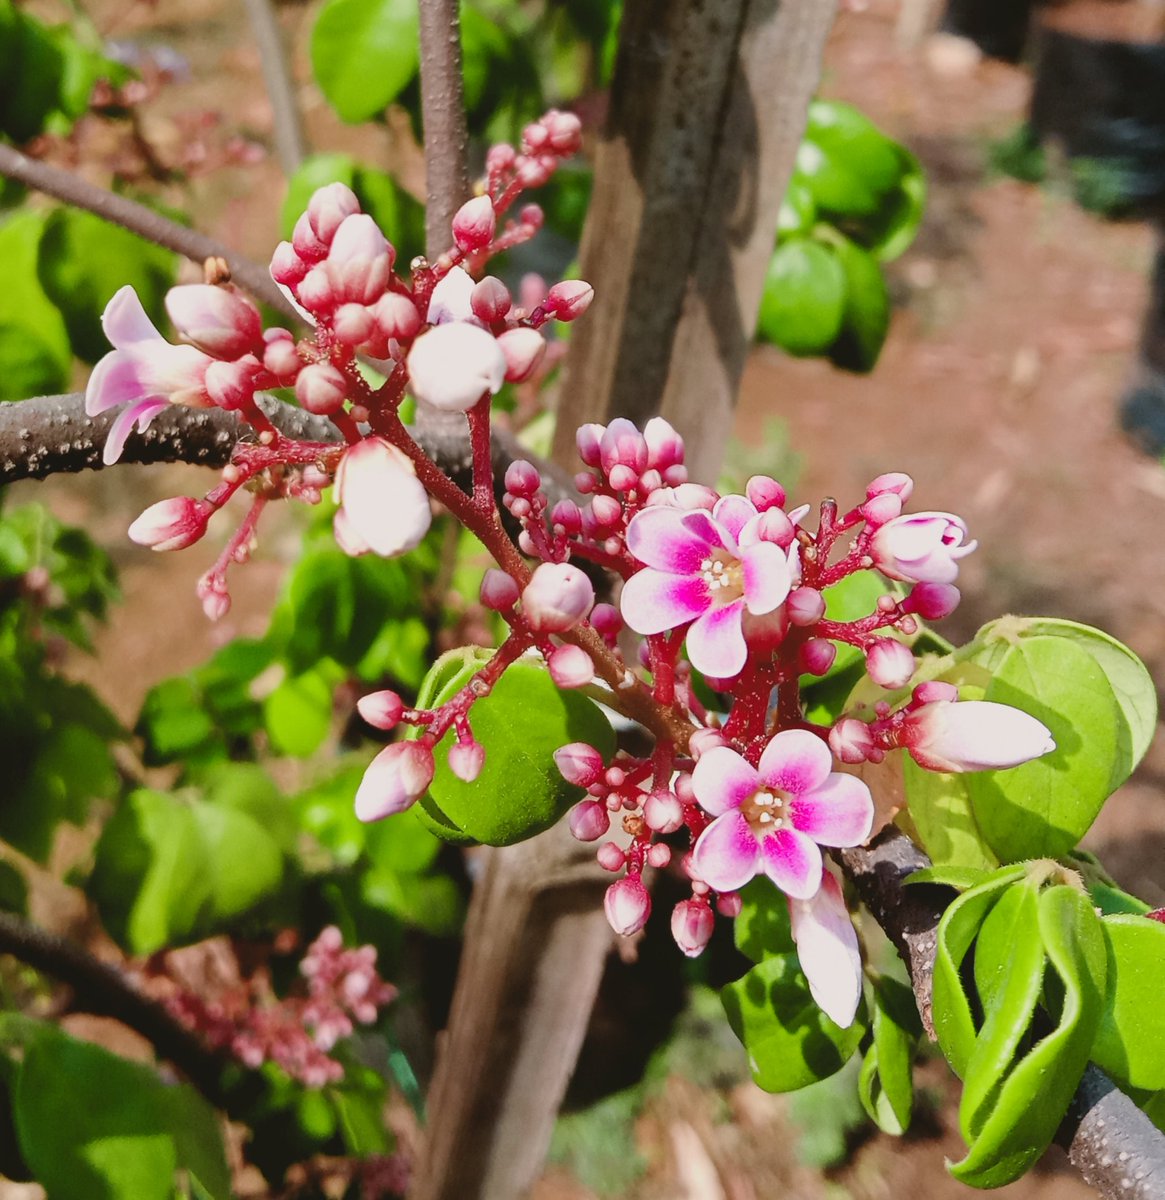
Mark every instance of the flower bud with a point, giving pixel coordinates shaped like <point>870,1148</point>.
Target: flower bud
<point>563,132</point>
<point>570,666</point>
<point>692,923</point>
<point>895,482</point>
<point>606,512</point>
<point>499,158</point>
<point>321,389</point>
<point>490,300</point>
<point>610,857</point>
<point>396,316</point>
<point>622,479</point>
<point>466,760</point>
<point>627,905</point>
<point>588,441</point>
<point>579,764</point>
<point>532,217</point>
<point>359,260</point>
<point>395,779</point>
<point>607,621</point>
<point>805,606</point>
<point>921,547</point>
<point>851,740</point>
<point>328,208</point>
<point>353,324</point>
<point>557,597</point>
<point>663,811</point>
<point>382,502</point>
<point>568,299</point>
<point>474,224</point>
<point>703,740</point>
<point>932,601</point>
<point>623,444</point>
<point>307,245</point>
<point>287,267</point>
<point>219,320</point>
<point>729,904</point>
<point>172,524</point>
<point>280,356</point>
<point>765,493</point>
<point>567,516</point>
<point>817,656</point>
<point>522,478</point>
<point>231,385</point>
<point>889,663</point>
<point>382,710</point>
<point>316,293</point>
<point>523,349</point>
<point>589,820</point>
<point>972,735</point>
<point>665,447</point>
<point>881,509</point>
<point>454,365</point>
<point>216,604</point>
<point>499,591</point>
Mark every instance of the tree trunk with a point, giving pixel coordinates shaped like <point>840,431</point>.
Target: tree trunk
<point>708,106</point>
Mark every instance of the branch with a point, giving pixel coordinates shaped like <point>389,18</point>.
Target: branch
<point>146,223</point>
<point>1111,1142</point>
<point>290,142</point>
<point>101,988</point>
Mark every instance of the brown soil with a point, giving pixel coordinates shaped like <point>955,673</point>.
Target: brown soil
<point>1015,329</point>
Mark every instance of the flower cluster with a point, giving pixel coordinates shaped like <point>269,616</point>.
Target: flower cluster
<point>299,1032</point>
<point>732,590</point>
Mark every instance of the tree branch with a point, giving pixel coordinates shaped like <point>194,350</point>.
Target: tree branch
<point>146,223</point>
<point>290,142</point>
<point>1111,1142</point>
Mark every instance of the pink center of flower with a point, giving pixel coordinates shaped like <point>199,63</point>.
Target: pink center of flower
<point>724,574</point>
<point>765,810</point>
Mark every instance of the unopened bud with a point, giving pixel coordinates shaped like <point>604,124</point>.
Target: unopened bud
<point>568,299</point>
<point>490,300</point>
<point>610,857</point>
<point>523,349</point>
<point>896,482</point>
<point>882,508</point>
<point>932,601</point>
<point>817,656</point>
<point>474,224</point>
<point>627,905</point>
<point>353,324</point>
<point>623,444</point>
<point>454,365</point>
<point>307,245</point>
<point>570,666</point>
<point>568,516</point>
<point>589,820</point>
<point>172,524</point>
<point>765,493</point>
<point>395,779</point>
<point>805,606</point>
<point>579,763</point>
<point>382,710</point>
<point>692,923</point>
<point>466,760</point>
<point>499,591</point>
<point>287,267</point>
<point>588,441</point>
<point>851,740</point>
<point>321,389</point>
<point>557,597</point>
<point>663,811</point>
<point>522,478</point>
<point>360,260</point>
<point>889,663</point>
<point>231,385</point>
<point>328,208</point>
<point>219,320</point>
<point>280,356</point>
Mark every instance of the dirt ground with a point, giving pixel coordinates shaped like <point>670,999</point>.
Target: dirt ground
<point>1015,330</point>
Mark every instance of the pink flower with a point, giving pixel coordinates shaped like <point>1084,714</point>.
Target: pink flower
<point>774,817</point>
<point>827,948</point>
<point>383,505</point>
<point>972,735</point>
<point>454,365</point>
<point>395,779</point>
<point>708,570</point>
<point>144,372</point>
<point>921,547</point>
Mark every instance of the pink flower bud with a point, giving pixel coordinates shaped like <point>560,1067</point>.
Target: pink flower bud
<point>932,601</point>
<point>1158,914</point>
<point>729,904</point>
<point>658,855</point>
<point>500,158</point>
<point>606,511</point>
<point>231,385</point>
<point>579,764</point>
<point>932,692</point>
<point>607,621</point>
<point>395,779</point>
<point>522,478</point>
<point>627,905</point>
<point>287,267</point>
<point>851,740</point>
<point>972,735</point>
<point>490,300</point>
<point>622,444</point>
<point>663,811</point>
<point>805,606</point>
<point>219,320</point>
<point>307,245</point>
<point>523,349</point>
<point>569,299</point>
<point>687,495</point>
<point>703,740</point>
<point>466,760</point>
<point>588,441</point>
<point>328,208</point>
<point>817,656</point>
<point>881,509</point>
<point>692,923</point>
<point>474,224</point>
<point>359,260</point>
<point>774,525</point>
<point>316,293</point>
<point>499,591</point>
<point>889,663</point>
<point>321,389</point>
<point>280,356</point>
<point>570,666</point>
<point>665,447</point>
<point>563,132</point>
<point>589,820</point>
<point>610,857</point>
<point>765,493</point>
<point>896,482</point>
<point>171,524</point>
<point>353,324</point>
<point>921,547</point>
<point>532,216</point>
<point>216,604</point>
<point>621,478</point>
<point>454,365</point>
<point>557,597</point>
<point>382,503</point>
<point>382,710</point>
<point>567,516</point>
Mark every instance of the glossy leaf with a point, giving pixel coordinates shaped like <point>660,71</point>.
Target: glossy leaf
<point>959,878</point>
<point>298,713</point>
<point>1130,1044</point>
<point>364,53</point>
<point>886,1084</point>
<point>1035,1096</point>
<point>762,927</point>
<point>34,345</point>
<point>941,812</point>
<point>803,303</point>
<point>790,1041</point>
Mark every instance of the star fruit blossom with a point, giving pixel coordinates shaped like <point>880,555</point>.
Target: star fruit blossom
<point>707,569</point>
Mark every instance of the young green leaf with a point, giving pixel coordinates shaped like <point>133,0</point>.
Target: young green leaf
<point>886,1083</point>
<point>940,808</point>
<point>1130,1044</point>
<point>762,927</point>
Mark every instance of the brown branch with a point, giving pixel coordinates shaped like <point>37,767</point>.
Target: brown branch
<point>146,223</point>
<point>290,142</point>
<point>1110,1141</point>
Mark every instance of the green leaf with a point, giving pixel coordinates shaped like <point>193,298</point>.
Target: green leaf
<point>866,319</point>
<point>959,878</point>
<point>1009,975</point>
<point>886,1083</point>
<point>1043,808</point>
<point>1130,1044</point>
<point>790,1041</point>
<point>13,889</point>
<point>364,53</point>
<point>940,808</point>
<point>82,261</point>
<point>762,927</point>
<point>954,1022</point>
<point>429,902</point>
<point>520,791</point>
<point>803,303</point>
<point>361,1118</point>
<point>298,714</point>
<point>198,1141</point>
<point>34,344</point>
<point>31,81</point>
<point>1034,1098</point>
<point>246,865</point>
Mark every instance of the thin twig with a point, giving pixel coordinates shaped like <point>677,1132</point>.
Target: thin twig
<point>146,223</point>
<point>290,141</point>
